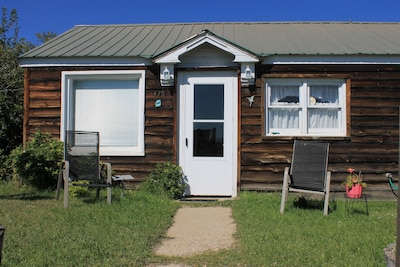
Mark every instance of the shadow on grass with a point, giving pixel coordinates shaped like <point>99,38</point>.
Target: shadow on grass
<point>358,211</point>
<point>313,204</point>
<point>89,200</point>
<point>25,196</point>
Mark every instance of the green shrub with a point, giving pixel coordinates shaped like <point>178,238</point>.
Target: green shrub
<point>39,163</point>
<point>79,191</point>
<point>166,178</point>
<point>5,170</point>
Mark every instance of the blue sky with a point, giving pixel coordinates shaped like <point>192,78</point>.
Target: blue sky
<point>38,16</point>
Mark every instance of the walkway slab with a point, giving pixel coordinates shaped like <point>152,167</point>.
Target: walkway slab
<point>197,230</point>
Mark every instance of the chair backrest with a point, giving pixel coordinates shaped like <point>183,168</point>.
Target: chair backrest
<point>309,165</point>
<point>81,150</point>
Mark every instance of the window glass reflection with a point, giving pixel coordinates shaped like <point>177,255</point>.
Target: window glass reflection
<point>208,139</point>
<point>208,101</point>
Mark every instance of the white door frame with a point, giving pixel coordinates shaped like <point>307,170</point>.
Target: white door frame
<point>225,168</point>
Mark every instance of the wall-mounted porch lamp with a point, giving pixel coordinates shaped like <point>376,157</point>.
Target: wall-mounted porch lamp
<point>167,74</point>
<point>247,75</point>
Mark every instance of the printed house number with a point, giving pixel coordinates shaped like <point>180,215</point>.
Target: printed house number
<point>159,93</point>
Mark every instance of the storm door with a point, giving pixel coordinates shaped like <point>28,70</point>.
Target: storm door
<point>208,132</point>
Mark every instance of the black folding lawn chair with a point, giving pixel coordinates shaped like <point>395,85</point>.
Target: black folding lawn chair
<point>308,172</point>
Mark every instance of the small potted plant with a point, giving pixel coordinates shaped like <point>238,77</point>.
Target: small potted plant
<point>354,184</point>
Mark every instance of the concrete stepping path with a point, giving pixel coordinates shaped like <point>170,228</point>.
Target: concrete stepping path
<point>197,230</point>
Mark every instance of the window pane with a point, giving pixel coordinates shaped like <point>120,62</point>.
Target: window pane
<point>325,93</point>
<point>208,101</point>
<point>208,139</point>
<point>284,94</point>
<point>305,106</point>
<point>109,107</point>
<point>323,118</point>
<point>284,118</point>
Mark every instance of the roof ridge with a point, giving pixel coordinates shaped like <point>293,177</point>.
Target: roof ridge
<point>238,23</point>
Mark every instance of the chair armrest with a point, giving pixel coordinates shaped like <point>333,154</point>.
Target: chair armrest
<point>109,171</point>
<point>122,178</point>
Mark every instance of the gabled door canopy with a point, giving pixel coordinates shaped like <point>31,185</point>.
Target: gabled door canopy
<point>170,57</point>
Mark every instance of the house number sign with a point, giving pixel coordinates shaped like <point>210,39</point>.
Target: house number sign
<point>158,93</point>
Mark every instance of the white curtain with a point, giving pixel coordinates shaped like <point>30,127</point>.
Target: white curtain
<point>325,93</point>
<point>284,118</point>
<point>280,93</point>
<point>109,107</point>
<point>323,118</point>
<point>323,115</point>
<point>326,96</point>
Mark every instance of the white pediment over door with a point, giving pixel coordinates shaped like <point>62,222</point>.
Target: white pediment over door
<point>203,41</point>
<point>205,56</point>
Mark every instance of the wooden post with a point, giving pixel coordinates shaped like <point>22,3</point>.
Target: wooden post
<point>25,125</point>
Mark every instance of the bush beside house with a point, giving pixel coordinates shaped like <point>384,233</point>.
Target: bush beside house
<point>37,164</point>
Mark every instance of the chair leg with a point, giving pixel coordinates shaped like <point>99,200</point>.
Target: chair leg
<point>326,203</point>
<point>59,181</point>
<point>98,193</point>
<point>284,189</point>
<point>109,194</point>
<point>327,193</point>
<point>66,183</point>
<point>109,181</point>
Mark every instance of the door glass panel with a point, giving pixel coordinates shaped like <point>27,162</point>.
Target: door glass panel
<point>208,139</point>
<point>208,101</point>
<point>208,125</point>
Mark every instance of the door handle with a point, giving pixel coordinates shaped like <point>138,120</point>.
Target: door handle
<point>186,142</point>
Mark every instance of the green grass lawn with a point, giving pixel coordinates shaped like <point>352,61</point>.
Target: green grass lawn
<point>40,232</point>
<point>307,238</point>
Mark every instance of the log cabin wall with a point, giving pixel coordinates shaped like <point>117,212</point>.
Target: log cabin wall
<point>372,143</point>
<point>43,111</point>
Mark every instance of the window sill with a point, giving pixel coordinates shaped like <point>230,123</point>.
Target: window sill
<point>306,138</point>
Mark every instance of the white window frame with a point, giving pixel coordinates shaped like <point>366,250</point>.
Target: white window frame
<point>304,105</point>
<point>67,81</point>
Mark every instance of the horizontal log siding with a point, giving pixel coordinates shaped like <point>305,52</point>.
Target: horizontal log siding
<point>372,146</point>
<point>44,106</point>
<point>43,111</point>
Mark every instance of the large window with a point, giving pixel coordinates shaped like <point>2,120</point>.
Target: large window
<point>109,102</point>
<point>311,107</point>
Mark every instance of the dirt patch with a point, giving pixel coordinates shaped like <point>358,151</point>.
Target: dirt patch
<point>197,230</point>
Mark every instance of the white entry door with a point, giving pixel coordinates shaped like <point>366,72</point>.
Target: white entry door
<point>208,131</point>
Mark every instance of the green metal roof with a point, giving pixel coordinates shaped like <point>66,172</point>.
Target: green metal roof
<point>262,39</point>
